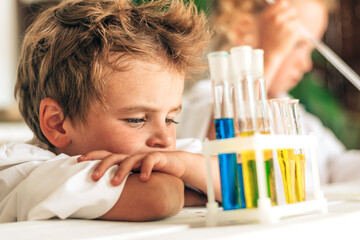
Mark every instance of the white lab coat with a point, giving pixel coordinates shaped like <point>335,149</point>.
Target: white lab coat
<point>36,184</point>
<point>336,164</point>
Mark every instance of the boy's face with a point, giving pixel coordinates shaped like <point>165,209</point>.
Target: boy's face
<point>142,105</point>
<point>313,16</point>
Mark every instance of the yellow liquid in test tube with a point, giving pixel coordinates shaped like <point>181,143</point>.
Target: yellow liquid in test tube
<point>300,177</point>
<point>287,167</point>
<point>250,178</point>
<point>250,175</point>
<point>270,176</point>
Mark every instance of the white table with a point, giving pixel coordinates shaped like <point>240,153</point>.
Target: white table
<point>341,222</point>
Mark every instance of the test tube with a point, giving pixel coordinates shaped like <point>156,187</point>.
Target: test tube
<point>263,121</point>
<point>282,125</point>
<point>257,72</point>
<point>246,118</point>
<point>234,86</point>
<point>298,153</point>
<point>224,126</point>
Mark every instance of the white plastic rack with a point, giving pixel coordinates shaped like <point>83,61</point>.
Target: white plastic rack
<point>265,212</point>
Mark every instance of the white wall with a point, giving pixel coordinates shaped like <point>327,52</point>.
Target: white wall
<point>8,51</point>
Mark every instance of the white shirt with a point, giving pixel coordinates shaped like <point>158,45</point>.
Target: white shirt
<point>336,164</point>
<point>36,184</point>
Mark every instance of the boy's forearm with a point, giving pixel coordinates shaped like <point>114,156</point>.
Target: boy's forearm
<point>160,197</point>
<point>195,173</point>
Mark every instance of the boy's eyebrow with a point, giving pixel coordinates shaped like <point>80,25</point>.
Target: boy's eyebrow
<point>137,109</point>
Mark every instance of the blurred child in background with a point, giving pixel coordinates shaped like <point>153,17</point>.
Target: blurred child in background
<point>287,56</point>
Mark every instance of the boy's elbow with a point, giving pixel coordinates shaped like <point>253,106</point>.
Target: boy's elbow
<point>159,197</point>
<point>170,197</point>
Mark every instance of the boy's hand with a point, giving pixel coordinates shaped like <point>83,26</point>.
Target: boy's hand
<point>189,167</point>
<point>167,162</point>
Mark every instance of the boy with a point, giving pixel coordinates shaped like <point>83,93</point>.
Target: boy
<point>104,79</point>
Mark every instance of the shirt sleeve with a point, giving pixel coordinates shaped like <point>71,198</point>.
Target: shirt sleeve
<point>191,145</point>
<point>196,114</point>
<point>345,167</point>
<point>329,147</point>
<point>63,188</point>
<point>336,163</point>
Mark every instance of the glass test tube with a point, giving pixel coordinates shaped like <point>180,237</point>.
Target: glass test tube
<point>252,116</point>
<point>233,87</point>
<point>263,121</point>
<point>264,128</point>
<point>245,118</point>
<point>224,126</point>
<point>299,155</point>
<point>282,125</point>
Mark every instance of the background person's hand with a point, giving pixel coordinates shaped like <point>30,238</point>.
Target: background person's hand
<point>278,35</point>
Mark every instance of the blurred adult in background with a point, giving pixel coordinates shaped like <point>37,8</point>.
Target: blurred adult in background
<point>287,56</point>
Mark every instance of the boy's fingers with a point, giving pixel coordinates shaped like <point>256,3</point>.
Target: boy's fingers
<point>286,17</point>
<point>124,169</point>
<point>94,155</point>
<point>146,168</point>
<point>281,11</point>
<point>153,161</point>
<point>279,6</point>
<point>119,177</point>
<point>105,164</point>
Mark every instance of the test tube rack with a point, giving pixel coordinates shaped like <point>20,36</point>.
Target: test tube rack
<point>265,212</point>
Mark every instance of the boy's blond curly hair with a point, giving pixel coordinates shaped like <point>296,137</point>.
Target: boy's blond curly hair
<point>66,49</point>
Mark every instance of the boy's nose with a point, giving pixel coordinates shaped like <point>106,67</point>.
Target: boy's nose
<point>161,139</point>
<point>306,62</point>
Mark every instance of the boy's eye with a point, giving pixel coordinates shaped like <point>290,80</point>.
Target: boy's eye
<point>135,121</point>
<point>170,121</point>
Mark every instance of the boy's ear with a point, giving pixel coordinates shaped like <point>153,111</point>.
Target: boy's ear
<point>52,120</point>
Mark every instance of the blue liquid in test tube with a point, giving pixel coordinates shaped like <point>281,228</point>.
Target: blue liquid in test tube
<point>228,167</point>
<point>224,126</point>
<point>241,185</point>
